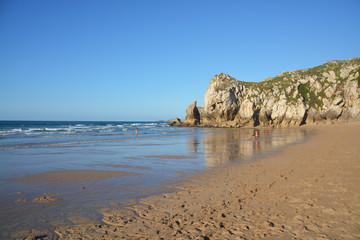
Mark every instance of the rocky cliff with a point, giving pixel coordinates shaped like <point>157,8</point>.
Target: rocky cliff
<point>329,92</point>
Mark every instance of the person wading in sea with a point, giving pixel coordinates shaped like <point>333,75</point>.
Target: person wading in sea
<point>256,134</point>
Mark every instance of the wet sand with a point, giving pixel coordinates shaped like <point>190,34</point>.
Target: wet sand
<point>308,191</point>
<point>167,157</point>
<point>70,176</point>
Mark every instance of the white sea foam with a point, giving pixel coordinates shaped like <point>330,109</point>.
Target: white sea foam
<point>68,132</point>
<point>11,130</point>
<point>56,129</point>
<point>106,130</point>
<point>34,130</point>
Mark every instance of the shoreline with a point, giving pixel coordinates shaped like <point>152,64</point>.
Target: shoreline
<point>309,190</point>
<point>42,198</point>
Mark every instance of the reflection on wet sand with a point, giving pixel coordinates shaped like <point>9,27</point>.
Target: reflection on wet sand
<point>193,144</point>
<point>239,145</point>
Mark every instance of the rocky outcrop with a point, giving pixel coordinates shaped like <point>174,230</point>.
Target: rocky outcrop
<point>329,92</point>
<point>221,100</point>
<point>175,122</point>
<point>192,114</point>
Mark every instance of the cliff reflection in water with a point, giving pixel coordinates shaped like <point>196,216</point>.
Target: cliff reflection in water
<point>224,145</point>
<point>193,144</point>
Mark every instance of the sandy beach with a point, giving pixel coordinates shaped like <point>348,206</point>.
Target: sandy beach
<point>309,190</point>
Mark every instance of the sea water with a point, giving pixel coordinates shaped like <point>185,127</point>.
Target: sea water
<point>157,153</point>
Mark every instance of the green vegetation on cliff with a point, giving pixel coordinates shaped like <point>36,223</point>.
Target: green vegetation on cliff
<point>310,85</point>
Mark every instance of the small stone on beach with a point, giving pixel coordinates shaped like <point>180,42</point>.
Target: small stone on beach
<point>46,199</point>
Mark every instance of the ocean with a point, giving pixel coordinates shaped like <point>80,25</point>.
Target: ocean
<point>92,165</point>
<point>32,134</point>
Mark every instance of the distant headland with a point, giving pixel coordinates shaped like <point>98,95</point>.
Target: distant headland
<point>326,93</point>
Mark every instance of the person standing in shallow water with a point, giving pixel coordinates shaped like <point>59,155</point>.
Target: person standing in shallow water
<point>256,134</point>
<point>137,131</point>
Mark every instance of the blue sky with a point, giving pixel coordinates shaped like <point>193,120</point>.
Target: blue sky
<point>148,60</point>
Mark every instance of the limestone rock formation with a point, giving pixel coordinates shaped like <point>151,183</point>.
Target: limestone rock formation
<point>192,113</point>
<point>220,100</point>
<point>329,92</point>
<point>175,122</point>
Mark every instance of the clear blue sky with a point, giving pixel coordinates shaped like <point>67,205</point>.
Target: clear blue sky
<point>148,60</point>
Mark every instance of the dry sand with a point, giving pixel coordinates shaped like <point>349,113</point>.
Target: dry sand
<point>310,190</point>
